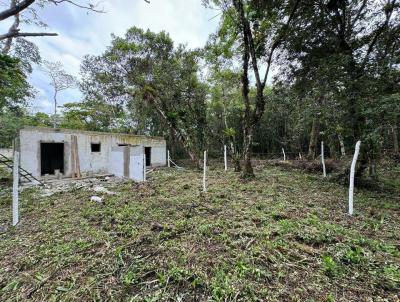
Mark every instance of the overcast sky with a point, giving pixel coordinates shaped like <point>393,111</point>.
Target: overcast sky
<point>81,32</point>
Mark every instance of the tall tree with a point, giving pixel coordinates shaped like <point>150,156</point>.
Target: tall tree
<point>59,80</point>
<point>224,111</point>
<point>14,94</point>
<point>144,70</point>
<point>14,88</point>
<point>262,27</point>
<point>341,51</point>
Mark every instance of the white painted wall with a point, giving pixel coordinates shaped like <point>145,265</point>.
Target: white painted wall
<point>136,164</point>
<point>96,162</point>
<point>117,161</point>
<point>158,155</point>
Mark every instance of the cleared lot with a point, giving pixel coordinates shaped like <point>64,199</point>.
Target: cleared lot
<point>282,237</point>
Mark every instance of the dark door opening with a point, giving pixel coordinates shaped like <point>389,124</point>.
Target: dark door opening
<point>147,152</point>
<point>51,157</point>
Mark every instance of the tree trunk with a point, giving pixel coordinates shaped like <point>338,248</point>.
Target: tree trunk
<point>252,117</point>
<point>372,168</point>
<point>55,108</point>
<point>236,165</point>
<point>235,156</point>
<point>342,148</point>
<point>332,148</point>
<point>312,147</point>
<point>179,134</point>
<point>362,166</point>
<point>13,28</point>
<point>248,140</point>
<point>248,125</point>
<point>395,140</point>
<point>232,142</point>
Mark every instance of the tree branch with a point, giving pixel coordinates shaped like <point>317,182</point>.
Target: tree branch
<point>15,9</point>
<point>364,3</point>
<point>16,34</point>
<point>250,43</point>
<point>89,6</point>
<point>388,12</point>
<point>279,40</point>
<point>13,28</point>
<point>12,11</point>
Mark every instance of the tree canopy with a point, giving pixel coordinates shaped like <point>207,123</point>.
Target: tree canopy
<point>275,74</point>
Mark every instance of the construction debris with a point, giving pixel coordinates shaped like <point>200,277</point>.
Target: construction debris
<point>100,189</point>
<point>95,184</point>
<point>96,199</point>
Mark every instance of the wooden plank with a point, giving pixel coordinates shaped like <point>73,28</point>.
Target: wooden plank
<point>73,157</point>
<point>78,165</point>
<point>127,161</point>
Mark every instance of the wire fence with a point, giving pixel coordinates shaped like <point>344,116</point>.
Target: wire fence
<point>290,155</point>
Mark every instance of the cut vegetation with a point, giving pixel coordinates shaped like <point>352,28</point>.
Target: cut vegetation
<point>281,237</point>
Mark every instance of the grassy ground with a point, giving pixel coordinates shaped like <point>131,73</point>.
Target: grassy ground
<point>282,237</point>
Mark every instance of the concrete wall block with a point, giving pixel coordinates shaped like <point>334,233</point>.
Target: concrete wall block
<point>104,161</point>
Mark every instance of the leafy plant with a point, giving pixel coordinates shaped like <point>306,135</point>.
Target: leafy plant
<point>391,277</point>
<point>353,255</point>
<point>330,267</point>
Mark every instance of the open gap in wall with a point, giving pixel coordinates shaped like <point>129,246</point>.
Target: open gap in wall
<point>51,157</point>
<point>95,147</point>
<point>147,151</point>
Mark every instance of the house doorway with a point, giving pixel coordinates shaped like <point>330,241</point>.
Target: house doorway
<point>51,158</point>
<point>147,152</point>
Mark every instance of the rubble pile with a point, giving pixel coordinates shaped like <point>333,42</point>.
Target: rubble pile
<point>96,184</point>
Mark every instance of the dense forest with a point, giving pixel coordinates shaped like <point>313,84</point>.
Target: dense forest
<point>276,74</point>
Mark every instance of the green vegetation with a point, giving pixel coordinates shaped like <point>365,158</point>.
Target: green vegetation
<point>284,236</point>
<point>276,233</point>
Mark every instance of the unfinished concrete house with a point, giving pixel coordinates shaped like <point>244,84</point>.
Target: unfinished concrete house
<point>47,153</point>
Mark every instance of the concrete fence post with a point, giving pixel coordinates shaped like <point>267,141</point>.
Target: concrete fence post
<point>169,159</point>
<point>15,199</point>
<point>225,159</point>
<point>284,154</point>
<point>352,172</point>
<point>323,159</point>
<point>204,172</point>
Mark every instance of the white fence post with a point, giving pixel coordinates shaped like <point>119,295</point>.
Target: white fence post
<point>204,171</point>
<point>323,159</point>
<point>15,200</point>
<point>225,159</point>
<point>169,160</point>
<point>284,154</point>
<point>352,171</point>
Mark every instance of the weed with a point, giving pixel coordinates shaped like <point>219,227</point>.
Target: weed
<point>353,255</point>
<point>222,286</point>
<point>330,267</point>
<point>274,238</point>
<point>391,277</point>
